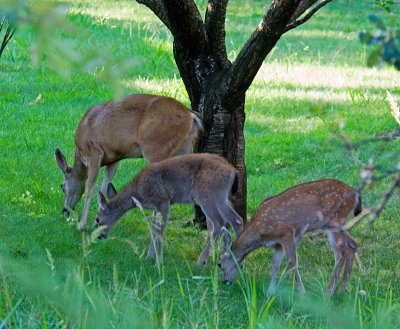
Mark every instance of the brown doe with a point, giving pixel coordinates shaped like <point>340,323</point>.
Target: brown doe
<point>203,179</point>
<point>148,126</point>
<point>281,220</point>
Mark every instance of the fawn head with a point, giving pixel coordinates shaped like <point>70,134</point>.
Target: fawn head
<point>72,186</point>
<point>227,261</point>
<point>105,215</point>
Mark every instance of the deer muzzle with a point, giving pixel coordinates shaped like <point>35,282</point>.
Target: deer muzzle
<point>65,212</point>
<point>227,282</point>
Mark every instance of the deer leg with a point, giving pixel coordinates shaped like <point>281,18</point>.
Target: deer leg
<point>231,216</point>
<point>153,235</point>
<point>164,222</point>
<point>158,231</point>
<point>350,248</point>
<point>93,172</point>
<point>347,271</point>
<point>108,176</point>
<point>290,248</point>
<point>276,262</point>
<point>337,243</point>
<point>213,220</point>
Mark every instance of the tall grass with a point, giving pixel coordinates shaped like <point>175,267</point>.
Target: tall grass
<point>49,297</point>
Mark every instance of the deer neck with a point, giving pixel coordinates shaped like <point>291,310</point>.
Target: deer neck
<point>246,242</point>
<point>79,168</point>
<point>123,201</point>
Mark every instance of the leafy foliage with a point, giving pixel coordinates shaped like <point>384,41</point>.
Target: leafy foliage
<point>385,4</point>
<point>55,40</point>
<point>385,39</point>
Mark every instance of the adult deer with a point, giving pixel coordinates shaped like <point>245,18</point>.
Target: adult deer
<point>281,220</point>
<point>204,179</point>
<point>148,126</point>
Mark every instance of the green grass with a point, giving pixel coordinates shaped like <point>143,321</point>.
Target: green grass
<point>45,280</point>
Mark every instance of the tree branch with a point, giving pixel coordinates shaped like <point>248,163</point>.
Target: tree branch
<point>157,7</point>
<point>186,26</point>
<point>301,9</point>
<point>215,27</point>
<point>375,212</point>
<point>306,17</point>
<point>260,43</point>
<point>387,137</point>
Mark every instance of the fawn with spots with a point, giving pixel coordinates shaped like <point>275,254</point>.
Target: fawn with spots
<point>280,222</point>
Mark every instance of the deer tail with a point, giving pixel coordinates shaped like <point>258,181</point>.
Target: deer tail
<point>358,206</point>
<point>235,184</point>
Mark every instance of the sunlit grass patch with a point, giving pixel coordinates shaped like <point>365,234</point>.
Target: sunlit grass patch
<point>328,77</point>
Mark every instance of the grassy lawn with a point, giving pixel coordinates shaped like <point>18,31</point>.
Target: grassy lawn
<point>52,277</point>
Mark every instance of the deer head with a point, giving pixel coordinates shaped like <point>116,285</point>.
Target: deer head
<point>72,186</point>
<point>105,215</point>
<point>228,263</point>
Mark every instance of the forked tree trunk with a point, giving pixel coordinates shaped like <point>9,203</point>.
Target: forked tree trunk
<point>217,87</point>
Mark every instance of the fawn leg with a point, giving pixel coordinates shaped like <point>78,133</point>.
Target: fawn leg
<point>231,216</point>
<point>290,248</point>
<point>276,262</point>
<point>336,241</point>
<point>350,249</point>
<point>153,235</point>
<point>213,220</point>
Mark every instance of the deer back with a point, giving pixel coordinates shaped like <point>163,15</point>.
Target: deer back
<point>149,126</point>
<point>185,179</point>
<point>314,205</point>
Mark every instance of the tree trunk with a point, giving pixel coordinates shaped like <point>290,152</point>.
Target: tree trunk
<point>224,135</point>
<point>217,87</point>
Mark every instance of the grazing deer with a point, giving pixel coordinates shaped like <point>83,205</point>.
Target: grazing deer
<point>148,126</point>
<point>204,179</point>
<point>281,220</point>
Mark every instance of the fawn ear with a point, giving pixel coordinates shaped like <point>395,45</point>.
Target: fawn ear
<point>111,191</point>
<point>227,239</point>
<point>101,199</point>
<point>61,161</point>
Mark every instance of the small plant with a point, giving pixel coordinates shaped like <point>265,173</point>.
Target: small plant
<point>385,4</point>
<point>26,198</point>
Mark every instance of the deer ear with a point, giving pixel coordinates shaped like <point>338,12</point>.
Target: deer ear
<point>227,239</point>
<point>61,161</point>
<point>111,191</point>
<point>101,199</point>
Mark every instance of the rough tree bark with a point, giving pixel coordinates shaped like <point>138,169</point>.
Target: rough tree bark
<point>215,85</point>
